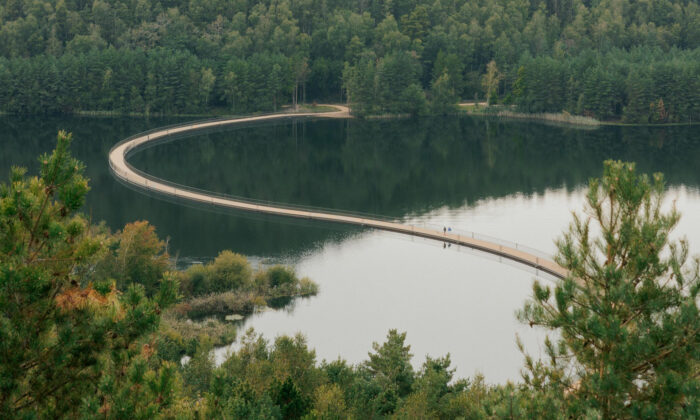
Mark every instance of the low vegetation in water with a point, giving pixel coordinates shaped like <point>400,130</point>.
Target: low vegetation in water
<point>229,285</point>
<point>179,336</point>
<point>207,293</point>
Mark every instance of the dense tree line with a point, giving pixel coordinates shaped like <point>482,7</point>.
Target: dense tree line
<point>408,56</point>
<point>644,85</point>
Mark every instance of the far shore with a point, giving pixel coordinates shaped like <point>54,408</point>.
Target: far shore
<point>563,118</point>
<point>476,109</point>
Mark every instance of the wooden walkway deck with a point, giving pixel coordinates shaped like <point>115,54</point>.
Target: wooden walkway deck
<point>125,172</point>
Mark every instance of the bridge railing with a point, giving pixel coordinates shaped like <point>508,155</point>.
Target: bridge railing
<point>181,187</point>
<point>406,220</point>
<point>487,238</point>
<point>268,203</point>
<point>190,122</point>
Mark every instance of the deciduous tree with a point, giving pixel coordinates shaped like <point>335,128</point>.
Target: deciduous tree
<point>490,81</point>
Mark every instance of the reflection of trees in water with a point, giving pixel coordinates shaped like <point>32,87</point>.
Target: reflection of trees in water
<point>399,166</point>
<point>386,167</point>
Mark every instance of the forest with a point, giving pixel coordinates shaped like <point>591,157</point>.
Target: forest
<point>619,60</point>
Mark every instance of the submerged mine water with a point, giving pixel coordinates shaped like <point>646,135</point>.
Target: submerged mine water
<point>515,181</point>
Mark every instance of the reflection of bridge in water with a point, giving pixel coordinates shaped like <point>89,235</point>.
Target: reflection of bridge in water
<point>125,172</point>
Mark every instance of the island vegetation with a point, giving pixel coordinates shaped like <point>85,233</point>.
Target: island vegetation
<point>622,60</point>
<point>210,296</point>
<point>86,323</point>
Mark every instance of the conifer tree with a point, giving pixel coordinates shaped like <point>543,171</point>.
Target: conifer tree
<point>639,97</point>
<point>391,363</point>
<point>60,336</point>
<point>627,313</point>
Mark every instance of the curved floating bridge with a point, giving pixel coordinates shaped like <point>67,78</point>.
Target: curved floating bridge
<point>125,172</point>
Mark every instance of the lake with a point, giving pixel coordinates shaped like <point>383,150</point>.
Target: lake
<point>516,181</point>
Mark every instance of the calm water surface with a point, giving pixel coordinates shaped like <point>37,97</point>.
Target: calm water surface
<point>512,180</point>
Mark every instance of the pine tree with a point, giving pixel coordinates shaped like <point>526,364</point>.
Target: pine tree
<point>639,97</point>
<point>150,93</point>
<point>391,363</point>
<point>627,313</point>
<point>59,334</point>
<point>274,84</point>
<point>5,85</point>
<point>359,82</point>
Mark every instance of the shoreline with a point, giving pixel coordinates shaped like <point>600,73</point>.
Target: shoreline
<point>470,109</point>
<point>215,113</point>
<point>562,118</point>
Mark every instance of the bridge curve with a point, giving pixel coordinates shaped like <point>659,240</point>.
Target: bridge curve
<point>128,174</point>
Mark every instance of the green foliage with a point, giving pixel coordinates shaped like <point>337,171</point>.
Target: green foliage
<point>197,373</point>
<point>213,292</point>
<point>491,80</point>
<point>136,390</point>
<point>228,286</point>
<point>329,403</point>
<point>435,383</point>
<point>612,85</point>
<point>285,379</point>
<point>64,341</point>
<point>359,83</point>
<point>390,363</point>
<point>413,100</point>
<point>443,99</point>
<point>72,345</point>
<point>640,96</point>
<point>179,336</point>
<point>282,377</point>
<point>451,65</point>
<point>391,86</point>
<point>627,314</point>
<point>134,255</point>
<point>188,56</point>
<point>287,397</point>
<point>229,271</point>
<point>278,276</point>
